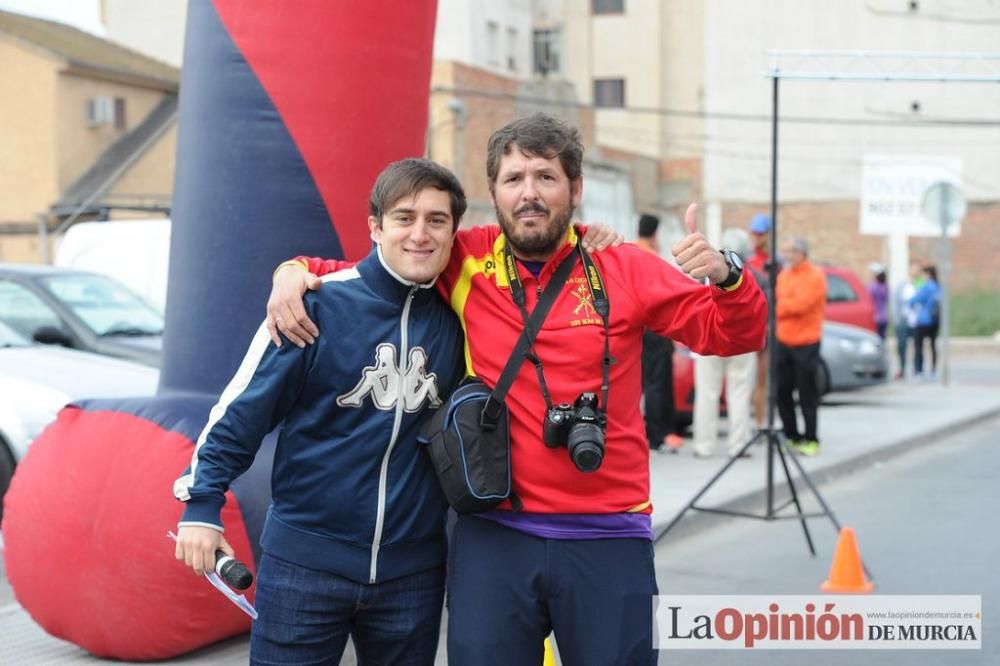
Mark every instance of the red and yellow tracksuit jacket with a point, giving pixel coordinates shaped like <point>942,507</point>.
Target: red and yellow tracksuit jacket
<point>644,292</point>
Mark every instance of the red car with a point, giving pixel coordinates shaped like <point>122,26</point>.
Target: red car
<point>847,301</point>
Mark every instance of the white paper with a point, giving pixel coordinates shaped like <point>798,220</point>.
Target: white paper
<point>238,599</point>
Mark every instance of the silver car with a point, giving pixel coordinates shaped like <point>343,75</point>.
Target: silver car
<point>850,357</point>
<point>80,310</point>
<point>36,381</point>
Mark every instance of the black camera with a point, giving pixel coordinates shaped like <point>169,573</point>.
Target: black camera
<point>580,428</point>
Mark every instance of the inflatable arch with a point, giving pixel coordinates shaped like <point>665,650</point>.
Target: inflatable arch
<point>288,112</point>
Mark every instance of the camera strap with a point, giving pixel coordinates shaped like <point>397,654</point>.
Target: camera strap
<point>524,348</point>
<point>603,308</point>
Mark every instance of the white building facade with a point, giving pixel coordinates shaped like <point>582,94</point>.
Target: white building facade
<point>495,36</point>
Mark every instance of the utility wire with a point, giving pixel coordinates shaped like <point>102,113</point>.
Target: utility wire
<point>929,16</point>
<point>721,115</point>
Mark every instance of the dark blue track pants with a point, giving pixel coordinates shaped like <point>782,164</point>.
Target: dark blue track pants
<point>507,590</point>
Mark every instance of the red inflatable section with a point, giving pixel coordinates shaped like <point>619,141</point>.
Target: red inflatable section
<point>115,588</point>
<point>378,90</point>
<point>334,91</point>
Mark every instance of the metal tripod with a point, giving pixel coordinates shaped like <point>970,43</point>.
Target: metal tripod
<point>775,449</point>
<point>775,446</point>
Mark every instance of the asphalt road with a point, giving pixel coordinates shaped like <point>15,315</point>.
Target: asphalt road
<point>926,524</point>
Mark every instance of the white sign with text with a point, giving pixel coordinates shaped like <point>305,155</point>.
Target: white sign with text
<point>892,191</point>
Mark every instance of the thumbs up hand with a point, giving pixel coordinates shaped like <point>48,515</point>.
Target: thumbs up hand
<point>695,256</point>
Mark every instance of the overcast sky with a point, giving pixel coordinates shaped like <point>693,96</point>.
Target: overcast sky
<point>83,14</point>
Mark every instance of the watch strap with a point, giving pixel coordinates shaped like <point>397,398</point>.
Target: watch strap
<point>735,277</point>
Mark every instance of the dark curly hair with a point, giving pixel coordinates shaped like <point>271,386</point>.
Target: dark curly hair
<point>538,134</point>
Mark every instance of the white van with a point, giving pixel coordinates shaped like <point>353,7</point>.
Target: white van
<point>135,252</point>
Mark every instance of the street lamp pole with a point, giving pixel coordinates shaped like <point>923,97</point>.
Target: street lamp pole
<point>945,331</point>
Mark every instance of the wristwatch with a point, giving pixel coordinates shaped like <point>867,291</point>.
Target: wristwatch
<point>735,269</point>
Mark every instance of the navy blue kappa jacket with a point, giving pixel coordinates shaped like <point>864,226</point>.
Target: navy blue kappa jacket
<point>353,493</point>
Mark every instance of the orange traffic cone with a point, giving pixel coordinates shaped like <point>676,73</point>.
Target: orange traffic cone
<point>846,572</point>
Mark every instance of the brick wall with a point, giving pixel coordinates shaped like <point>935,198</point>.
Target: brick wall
<point>975,254</point>
<point>832,231</point>
<point>483,114</point>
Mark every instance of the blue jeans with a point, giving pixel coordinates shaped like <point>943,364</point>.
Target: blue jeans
<point>903,336</point>
<point>306,616</point>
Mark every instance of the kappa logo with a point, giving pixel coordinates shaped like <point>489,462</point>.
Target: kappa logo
<point>382,382</point>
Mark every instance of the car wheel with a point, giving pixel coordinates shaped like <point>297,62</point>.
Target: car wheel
<point>822,379</point>
<point>6,472</point>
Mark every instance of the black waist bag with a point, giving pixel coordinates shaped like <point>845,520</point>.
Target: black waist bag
<point>468,438</point>
<point>472,462</point>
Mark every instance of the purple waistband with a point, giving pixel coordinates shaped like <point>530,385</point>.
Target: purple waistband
<point>576,525</point>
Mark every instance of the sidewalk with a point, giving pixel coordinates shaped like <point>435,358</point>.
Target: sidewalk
<point>858,429</point>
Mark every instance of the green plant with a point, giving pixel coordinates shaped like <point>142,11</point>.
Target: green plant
<point>975,313</point>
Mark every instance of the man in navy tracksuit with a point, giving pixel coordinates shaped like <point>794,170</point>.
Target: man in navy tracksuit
<point>354,541</point>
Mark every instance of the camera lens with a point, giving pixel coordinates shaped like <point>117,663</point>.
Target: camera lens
<point>586,446</point>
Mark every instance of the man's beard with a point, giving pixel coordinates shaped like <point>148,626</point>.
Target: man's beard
<point>541,242</point>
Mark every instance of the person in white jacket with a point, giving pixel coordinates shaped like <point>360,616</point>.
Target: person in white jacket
<point>905,317</point>
<point>740,375</point>
<point>709,372</point>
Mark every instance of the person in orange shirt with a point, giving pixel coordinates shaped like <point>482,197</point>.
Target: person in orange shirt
<point>800,298</point>
<point>659,411</point>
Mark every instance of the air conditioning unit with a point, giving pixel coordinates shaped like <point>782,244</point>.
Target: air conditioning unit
<point>100,111</point>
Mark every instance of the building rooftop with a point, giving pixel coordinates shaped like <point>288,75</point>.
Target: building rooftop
<point>87,194</point>
<point>89,53</point>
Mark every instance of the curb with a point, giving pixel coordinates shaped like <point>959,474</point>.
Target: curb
<point>971,346</point>
<point>695,522</point>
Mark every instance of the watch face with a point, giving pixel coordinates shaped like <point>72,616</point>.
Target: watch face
<point>735,260</point>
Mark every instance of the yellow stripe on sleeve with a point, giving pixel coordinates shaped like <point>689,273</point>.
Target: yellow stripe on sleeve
<point>735,286</point>
<point>471,267</point>
<point>639,507</point>
<point>291,262</point>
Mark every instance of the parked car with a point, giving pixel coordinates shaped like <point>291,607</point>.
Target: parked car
<point>850,357</point>
<point>80,310</point>
<point>36,381</point>
<point>847,299</point>
<point>851,354</point>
